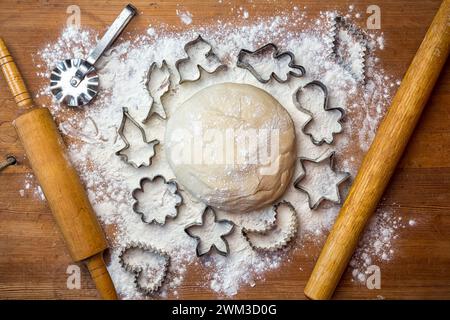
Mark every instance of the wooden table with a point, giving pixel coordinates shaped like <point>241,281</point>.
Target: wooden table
<point>33,258</point>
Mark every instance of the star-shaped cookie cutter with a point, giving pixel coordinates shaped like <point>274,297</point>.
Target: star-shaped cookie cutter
<point>213,246</point>
<point>126,116</point>
<point>209,54</point>
<point>330,158</point>
<point>277,55</point>
<point>138,270</point>
<point>145,180</point>
<point>324,89</point>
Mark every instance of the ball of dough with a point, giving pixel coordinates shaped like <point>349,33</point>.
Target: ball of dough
<point>232,146</point>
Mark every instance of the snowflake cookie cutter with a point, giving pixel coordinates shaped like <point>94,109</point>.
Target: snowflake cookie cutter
<point>140,189</point>
<point>208,55</point>
<point>139,271</point>
<point>330,159</point>
<point>188,230</point>
<point>126,116</point>
<point>277,55</point>
<point>256,238</point>
<point>165,87</point>
<point>339,23</point>
<point>299,106</point>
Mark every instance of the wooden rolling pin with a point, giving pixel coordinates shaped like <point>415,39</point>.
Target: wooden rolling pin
<point>58,179</point>
<point>381,159</point>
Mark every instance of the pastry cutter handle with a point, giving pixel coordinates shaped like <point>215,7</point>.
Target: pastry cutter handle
<point>105,42</point>
<point>112,33</point>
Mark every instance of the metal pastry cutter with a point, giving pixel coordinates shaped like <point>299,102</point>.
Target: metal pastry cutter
<point>75,82</point>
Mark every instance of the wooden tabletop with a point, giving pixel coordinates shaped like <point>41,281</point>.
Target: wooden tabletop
<point>33,258</point>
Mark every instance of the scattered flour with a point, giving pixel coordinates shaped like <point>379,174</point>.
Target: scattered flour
<point>185,16</point>
<point>91,136</point>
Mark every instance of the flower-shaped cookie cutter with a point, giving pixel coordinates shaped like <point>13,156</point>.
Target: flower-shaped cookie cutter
<point>171,184</point>
<point>188,230</point>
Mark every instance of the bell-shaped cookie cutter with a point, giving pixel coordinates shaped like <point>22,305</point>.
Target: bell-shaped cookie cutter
<point>213,246</point>
<point>277,55</point>
<point>145,180</point>
<point>324,89</point>
<point>120,131</point>
<point>138,270</point>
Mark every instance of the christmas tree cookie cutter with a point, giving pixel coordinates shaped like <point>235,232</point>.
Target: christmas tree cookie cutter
<point>339,23</point>
<point>126,116</point>
<point>172,187</point>
<point>139,271</point>
<point>298,70</point>
<point>261,240</point>
<point>209,55</point>
<point>188,230</point>
<point>299,106</point>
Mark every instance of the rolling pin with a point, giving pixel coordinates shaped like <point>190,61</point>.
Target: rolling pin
<point>381,159</point>
<point>58,179</point>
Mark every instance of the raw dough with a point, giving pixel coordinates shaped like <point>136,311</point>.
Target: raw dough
<point>232,146</point>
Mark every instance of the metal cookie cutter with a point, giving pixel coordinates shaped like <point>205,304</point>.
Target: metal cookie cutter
<point>209,55</point>
<point>126,116</point>
<point>298,71</point>
<point>189,230</point>
<point>75,81</point>
<point>142,280</point>
<point>340,23</point>
<point>285,228</point>
<point>172,188</point>
<point>343,177</point>
<point>163,89</point>
<point>311,115</point>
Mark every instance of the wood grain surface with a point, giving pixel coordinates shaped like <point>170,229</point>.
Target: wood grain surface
<point>33,258</point>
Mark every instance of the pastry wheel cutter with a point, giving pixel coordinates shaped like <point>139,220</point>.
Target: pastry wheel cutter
<point>75,81</point>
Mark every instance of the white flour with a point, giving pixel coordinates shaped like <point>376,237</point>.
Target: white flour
<point>91,135</point>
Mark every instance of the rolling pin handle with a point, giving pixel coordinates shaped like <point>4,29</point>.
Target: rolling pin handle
<point>99,273</point>
<point>13,78</point>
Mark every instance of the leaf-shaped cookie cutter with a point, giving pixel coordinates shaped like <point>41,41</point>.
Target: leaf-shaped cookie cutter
<point>120,131</point>
<point>137,270</point>
<point>330,158</point>
<point>213,246</point>
<point>340,22</point>
<point>324,89</point>
<point>152,68</point>
<point>277,55</point>
<point>141,189</point>
<point>291,232</point>
<point>200,68</point>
